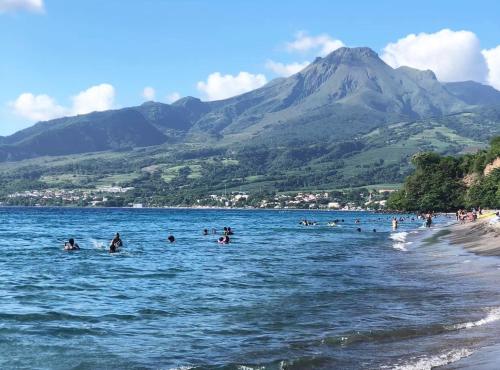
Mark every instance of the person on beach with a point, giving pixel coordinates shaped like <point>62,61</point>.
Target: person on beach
<point>115,244</point>
<point>70,245</point>
<point>171,238</point>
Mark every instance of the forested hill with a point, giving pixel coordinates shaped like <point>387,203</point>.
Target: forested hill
<point>444,183</point>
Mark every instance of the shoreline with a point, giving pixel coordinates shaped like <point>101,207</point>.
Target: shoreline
<point>480,237</point>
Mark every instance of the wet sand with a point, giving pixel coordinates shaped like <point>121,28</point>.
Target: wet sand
<point>481,237</point>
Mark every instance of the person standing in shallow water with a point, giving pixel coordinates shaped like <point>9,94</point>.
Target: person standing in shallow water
<point>394,223</point>
<point>428,220</point>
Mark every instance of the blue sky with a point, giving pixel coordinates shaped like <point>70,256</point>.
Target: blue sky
<point>60,57</point>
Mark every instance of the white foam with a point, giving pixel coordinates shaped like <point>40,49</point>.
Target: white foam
<point>492,316</point>
<point>400,241</point>
<point>399,237</point>
<point>400,247</point>
<point>97,244</point>
<point>428,363</point>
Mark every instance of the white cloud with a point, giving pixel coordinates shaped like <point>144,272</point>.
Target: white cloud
<point>43,107</point>
<point>492,57</point>
<point>37,107</point>
<point>148,93</point>
<point>15,5</point>
<point>172,97</point>
<point>285,70</point>
<point>96,98</point>
<point>322,44</point>
<point>220,86</point>
<point>452,55</point>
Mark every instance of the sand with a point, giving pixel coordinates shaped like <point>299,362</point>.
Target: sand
<point>481,237</point>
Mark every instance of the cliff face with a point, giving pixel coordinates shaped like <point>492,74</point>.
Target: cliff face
<point>492,166</point>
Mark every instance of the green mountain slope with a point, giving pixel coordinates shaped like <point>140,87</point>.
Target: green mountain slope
<point>346,120</point>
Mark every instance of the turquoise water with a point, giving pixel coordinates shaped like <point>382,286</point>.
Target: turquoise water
<point>281,295</point>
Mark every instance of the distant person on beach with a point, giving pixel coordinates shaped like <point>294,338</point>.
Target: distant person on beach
<point>70,245</point>
<point>171,238</point>
<point>115,243</point>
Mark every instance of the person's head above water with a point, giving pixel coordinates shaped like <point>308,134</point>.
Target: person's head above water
<point>171,238</point>
<point>117,235</point>
<point>71,241</point>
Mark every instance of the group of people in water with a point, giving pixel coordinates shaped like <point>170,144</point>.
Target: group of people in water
<point>427,217</point>
<point>116,243</point>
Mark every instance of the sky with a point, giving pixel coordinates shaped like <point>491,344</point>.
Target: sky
<point>60,57</point>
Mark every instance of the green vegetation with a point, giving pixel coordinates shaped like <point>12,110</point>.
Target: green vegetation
<point>444,183</point>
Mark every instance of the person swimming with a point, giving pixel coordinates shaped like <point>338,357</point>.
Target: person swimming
<point>205,231</point>
<point>70,245</point>
<point>223,240</point>
<point>171,238</point>
<point>115,244</point>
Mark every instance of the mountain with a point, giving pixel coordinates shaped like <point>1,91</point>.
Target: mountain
<point>474,93</point>
<point>346,120</point>
<point>349,92</point>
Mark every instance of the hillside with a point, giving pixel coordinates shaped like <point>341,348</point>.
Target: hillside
<point>348,92</point>
<point>346,120</point>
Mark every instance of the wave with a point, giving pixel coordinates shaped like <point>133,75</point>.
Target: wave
<point>430,362</point>
<point>396,334</point>
<point>399,239</point>
<point>492,316</point>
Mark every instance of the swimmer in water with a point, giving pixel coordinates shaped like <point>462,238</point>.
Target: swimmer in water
<point>70,245</point>
<point>171,238</point>
<point>115,244</point>
<point>205,232</point>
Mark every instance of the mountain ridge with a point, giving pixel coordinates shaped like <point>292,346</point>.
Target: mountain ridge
<point>346,93</point>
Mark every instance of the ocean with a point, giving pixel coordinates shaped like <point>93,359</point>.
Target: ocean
<point>280,296</point>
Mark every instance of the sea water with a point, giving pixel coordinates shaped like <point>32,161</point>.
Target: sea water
<point>280,296</point>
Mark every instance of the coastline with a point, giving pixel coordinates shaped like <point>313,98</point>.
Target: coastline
<point>480,237</point>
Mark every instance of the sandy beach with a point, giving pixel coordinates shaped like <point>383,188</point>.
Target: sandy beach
<point>480,237</point>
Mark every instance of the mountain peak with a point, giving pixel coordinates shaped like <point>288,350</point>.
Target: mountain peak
<point>346,54</point>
